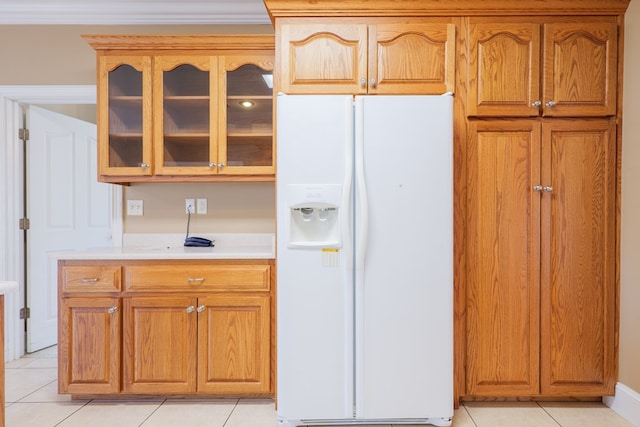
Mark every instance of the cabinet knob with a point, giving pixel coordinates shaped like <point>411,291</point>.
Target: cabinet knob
<point>536,104</point>
<point>363,82</point>
<point>537,188</point>
<point>212,165</point>
<point>372,82</point>
<point>220,165</point>
<point>200,308</point>
<point>550,104</point>
<point>548,188</point>
<point>144,165</point>
<point>112,310</point>
<point>190,309</point>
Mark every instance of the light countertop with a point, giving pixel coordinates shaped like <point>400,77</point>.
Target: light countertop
<point>170,246</point>
<point>6,287</point>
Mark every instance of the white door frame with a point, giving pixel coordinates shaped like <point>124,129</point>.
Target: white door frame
<point>11,185</point>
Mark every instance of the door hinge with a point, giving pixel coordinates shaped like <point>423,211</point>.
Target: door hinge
<point>23,134</point>
<point>25,223</point>
<point>25,313</point>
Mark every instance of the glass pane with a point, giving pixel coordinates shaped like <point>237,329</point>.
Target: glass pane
<point>249,117</point>
<point>186,116</point>
<point>125,117</point>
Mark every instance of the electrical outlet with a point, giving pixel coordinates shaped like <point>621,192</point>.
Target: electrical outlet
<point>189,205</point>
<point>201,206</point>
<point>134,207</point>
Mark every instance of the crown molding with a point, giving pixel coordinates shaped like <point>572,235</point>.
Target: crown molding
<point>123,12</point>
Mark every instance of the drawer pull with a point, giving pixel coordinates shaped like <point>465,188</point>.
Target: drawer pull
<point>195,279</point>
<point>89,279</point>
<point>112,310</point>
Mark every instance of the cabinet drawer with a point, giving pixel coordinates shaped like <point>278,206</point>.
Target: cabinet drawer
<point>90,278</point>
<point>185,277</point>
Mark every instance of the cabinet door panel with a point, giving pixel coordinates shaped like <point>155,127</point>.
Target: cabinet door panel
<point>578,258</point>
<point>395,52</point>
<point>504,68</point>
<point>234,344</point>
<point>89,345</point>
<point>185,111</point>
<point>124,116</point>
<point>323,58</point>
<point>503,246</point>
<point>246,116</point>
<point>159,345</point>
<point>580,71</point>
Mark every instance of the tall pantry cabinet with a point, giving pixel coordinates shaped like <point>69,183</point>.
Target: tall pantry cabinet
<point>541,206</point>
<point>537,152</point>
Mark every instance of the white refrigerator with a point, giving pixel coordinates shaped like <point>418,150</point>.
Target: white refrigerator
<point>364,260</point>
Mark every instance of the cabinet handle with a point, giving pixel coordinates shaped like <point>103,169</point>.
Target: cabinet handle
<point>144,165</point>
<point>536,104</point>
<point>190,309</point>
<point>112,310</point>
<point>89,279</point>
<point>212,165</point>
<point>550,104</point>
<point>372,82</point>
<point>363,82</point>
<point>195,279</point>
<point>200,308</point>
<point>537,188</point>
<point>548,188</point>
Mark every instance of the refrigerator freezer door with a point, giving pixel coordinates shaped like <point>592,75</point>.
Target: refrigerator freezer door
<point>404,291</point>
<point>315,286</point>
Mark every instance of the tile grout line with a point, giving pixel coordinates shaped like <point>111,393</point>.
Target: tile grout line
<point>152,412</point>
<point>550,416</point>
<point>469,414</point>
<point>231,413</point>
<point>72,414</point>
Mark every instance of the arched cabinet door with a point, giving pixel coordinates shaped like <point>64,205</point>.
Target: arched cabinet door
<point>124,116</point>
<point>246,115</point>
<point>412,58</point>
<point>323,57</point>
<point>580,69</point>
<point>185,111</point>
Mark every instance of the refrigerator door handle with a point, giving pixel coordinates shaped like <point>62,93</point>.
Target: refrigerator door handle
<point>361,190</point>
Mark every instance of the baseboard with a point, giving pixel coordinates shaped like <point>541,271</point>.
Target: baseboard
<point>626,402</point>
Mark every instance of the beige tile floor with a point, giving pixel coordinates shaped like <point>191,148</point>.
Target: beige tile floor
<point>33,400</point>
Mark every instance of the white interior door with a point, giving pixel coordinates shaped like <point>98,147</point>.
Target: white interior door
<point>67,208</point>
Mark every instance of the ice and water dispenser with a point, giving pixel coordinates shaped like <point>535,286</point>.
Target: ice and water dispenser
<point>314,216</point>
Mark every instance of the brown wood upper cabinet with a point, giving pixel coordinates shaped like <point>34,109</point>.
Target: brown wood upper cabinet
<point>539,66</point>
<point>185,108</point>
<point>335,56</point>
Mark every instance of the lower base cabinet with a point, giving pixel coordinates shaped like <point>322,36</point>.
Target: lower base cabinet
<point>211,344</point>
<point>204,329</point>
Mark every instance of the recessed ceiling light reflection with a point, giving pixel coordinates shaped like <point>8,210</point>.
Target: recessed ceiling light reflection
<point>247,104</point>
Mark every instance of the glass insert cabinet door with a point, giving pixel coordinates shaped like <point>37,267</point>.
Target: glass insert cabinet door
<point>246,119</point>
<point>185,90</point>
<point>124,94</point>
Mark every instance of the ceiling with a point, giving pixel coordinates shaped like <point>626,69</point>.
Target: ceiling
<point>131,12</point>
